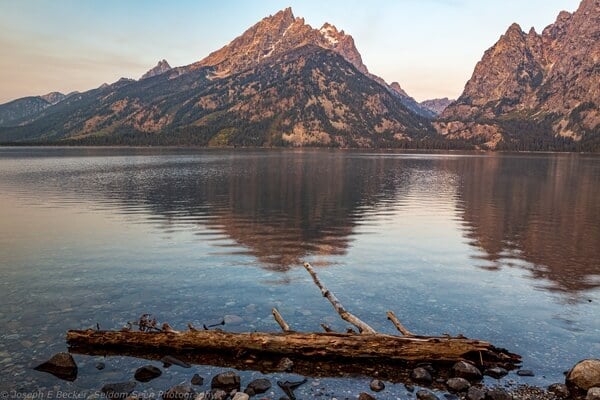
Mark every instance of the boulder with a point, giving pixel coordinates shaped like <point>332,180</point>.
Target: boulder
<point>60,365</point>
<point>426,395</point>
<point>497,394</point>
<point>147,373</point>
<point>258,386</point>
<point>463,369</point>
<point>593,394</point>
<point>227,381</point>
<point>475,393</point>
<point>496,372</point>
<point>421,375</point>
<point>584,375</point>
<point>458,385</point>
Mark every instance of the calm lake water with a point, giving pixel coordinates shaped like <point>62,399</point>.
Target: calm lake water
<point>499,247</point>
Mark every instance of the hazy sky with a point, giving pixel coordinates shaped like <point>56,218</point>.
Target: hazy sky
<point>429,46</point>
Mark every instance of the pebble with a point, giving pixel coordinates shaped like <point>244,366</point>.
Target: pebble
<point>426,395</point>
<point>525,372</point>
<point>376,385</point>
<point>197,380</point>
<point>365,396</point>
<point>284,365</point>
<point>475,393</point>
<point>179,392</point>
<point>258,386</point>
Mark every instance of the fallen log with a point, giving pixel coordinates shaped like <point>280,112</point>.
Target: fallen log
<point>369,345</point>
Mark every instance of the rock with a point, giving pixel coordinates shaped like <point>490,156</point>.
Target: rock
<point>475,393</point>
<point>376,385</point>
<point>409,388</point>
<point>584,375</point>
<point>170,360</point>
<point>465,370</point>
<point>450,396</point>
<point>421,375</point>
<point>426,395</point>
<point>233,319</point>
<point>240,396</point>
<point>525,372</point>
<point>197,380</point>
<point>258,386</point>
<point>593,394</point>
<point>497,394</point>
<point>147,373</point>
<point>216,394</point>
<point>60,365</point>
<point>496,372</point>
<point>226,381</point>
<point>284,365</point>
<point>100,366</point>
<point>458,385</point>
<point>180,392</point>
<point>560,390</point>
<point>119,390</point>
<point>365,396</point>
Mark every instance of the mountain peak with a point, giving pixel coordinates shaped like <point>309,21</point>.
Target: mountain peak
<point>161,67</point>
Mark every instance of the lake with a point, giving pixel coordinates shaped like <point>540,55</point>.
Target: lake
<point>500,247</point>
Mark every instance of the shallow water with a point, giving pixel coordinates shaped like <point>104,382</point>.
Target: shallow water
<point>499,247</point>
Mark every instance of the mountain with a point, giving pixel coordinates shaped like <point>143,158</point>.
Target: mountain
<point>160,68</point>
<point>436,106</point>
<point>26,109</point>
<point>281,83</point>
<point>535,91</point>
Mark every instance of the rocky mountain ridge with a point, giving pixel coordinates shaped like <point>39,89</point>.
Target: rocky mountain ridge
<point>436,106</point>
<point>529,86</point>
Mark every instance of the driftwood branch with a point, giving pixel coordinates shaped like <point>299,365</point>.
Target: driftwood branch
<point>363,328</point>
<point>392,317</point>
<point>284,326</point>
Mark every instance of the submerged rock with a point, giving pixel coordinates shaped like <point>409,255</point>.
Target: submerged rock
<point>170,360</point>
<point>465,370</point>
<point>227,381</point>
<point>60,365</point>
<point>496,372</point>
<point>258,386</point>
<point>525,372</point>
<point>584,375</point>
<point>147,373</point>
<point>197,380</point>
<point>180,392</point>
<point>118,390</point>
<point>100,366</point>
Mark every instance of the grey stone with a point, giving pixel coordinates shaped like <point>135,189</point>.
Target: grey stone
<point>458,385</point>
<point>584,375</point>
<point>100,366</point>
<point>365,396</point>
<point>147,373</point>
<point>226,381</point>
<point>593,394</point>
<point>197,380</point>
<point>525,372</point>
<point>170,360</point>
<point>497,394</point>
<point>426,395</point>
<point>118,390</point>
<point>258,386</point>
<point>60,365</point>
<point>465,370</point>
<point>560,390</point>
<point>475,393</point>
<point>376,385</point>
<point>496,372</point>
<point>421,375</point>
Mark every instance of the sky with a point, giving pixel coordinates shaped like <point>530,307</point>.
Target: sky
<point>429,46</point>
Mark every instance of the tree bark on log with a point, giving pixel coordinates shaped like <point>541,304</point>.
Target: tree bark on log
<point>337,345</point>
